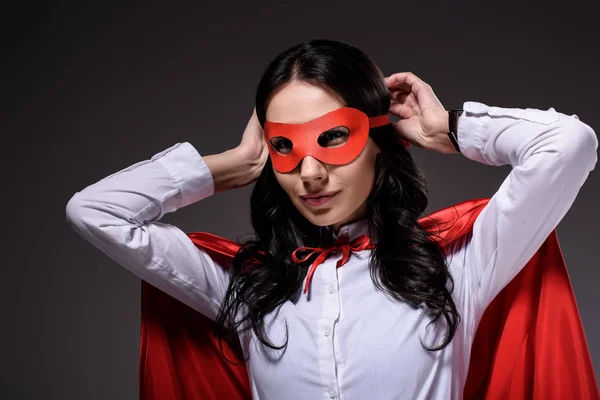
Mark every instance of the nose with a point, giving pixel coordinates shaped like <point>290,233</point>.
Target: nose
<point>311,169</point>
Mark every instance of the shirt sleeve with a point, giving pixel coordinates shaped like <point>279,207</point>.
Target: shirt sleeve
<point>120,216</point>
<point>551,155</point>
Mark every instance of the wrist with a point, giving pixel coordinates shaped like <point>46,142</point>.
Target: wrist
<point>445,122</point>
<point>440,140</point>
<point>231,169</point>
<point>453,117</point>
<point>251,162</point>
<point>450,132</point>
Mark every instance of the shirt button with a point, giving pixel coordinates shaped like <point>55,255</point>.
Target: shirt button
<point>327,331</point>
<point>331,392</point>
<point>330,288</point>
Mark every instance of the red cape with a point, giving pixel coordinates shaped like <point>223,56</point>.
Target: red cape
<point>530,343</point>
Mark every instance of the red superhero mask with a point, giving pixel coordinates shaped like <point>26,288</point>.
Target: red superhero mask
<point>337,137</point>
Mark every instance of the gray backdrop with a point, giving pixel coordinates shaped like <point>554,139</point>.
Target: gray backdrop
<point>89,91</point>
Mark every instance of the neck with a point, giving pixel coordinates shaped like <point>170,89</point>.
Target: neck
<point>336,227</point>
<point>359,214</point>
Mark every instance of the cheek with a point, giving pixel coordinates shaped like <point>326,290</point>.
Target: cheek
<point>360,174</point>
<point>357,178</point>
<point>286,181</point>
<point>361,179</point>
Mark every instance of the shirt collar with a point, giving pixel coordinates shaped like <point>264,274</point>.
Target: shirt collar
<point>354,229</point>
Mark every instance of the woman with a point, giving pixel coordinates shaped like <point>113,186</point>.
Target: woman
<point>308,328</point>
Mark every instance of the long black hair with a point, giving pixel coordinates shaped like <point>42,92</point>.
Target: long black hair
<point>408,263</point>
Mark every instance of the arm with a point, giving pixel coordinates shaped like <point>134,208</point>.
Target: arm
<point>551,154</point>
<point>234,168</point>
<point>120,215</point>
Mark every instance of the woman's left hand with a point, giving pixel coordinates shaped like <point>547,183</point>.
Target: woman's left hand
<point>423,119</point>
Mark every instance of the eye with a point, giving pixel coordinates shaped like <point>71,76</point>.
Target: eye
<point>334,137</point>
<point>282,145</point>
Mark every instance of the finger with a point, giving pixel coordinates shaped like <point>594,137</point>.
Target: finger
<point>393,85</point>
<point>407,78</point>
<point>406,81</point>
<point>401,110</point>
<point>399,95</point>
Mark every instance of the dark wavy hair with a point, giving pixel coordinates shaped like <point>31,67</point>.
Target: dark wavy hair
<point>408,263</point>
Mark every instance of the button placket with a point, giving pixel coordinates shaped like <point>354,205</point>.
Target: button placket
<point>326,328</point>
<point>331,392</point>
<point>330,288</point>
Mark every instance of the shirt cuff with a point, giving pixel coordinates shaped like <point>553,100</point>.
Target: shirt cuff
<point>481,126</point>
<point>470,131</point>
<point>190,172</point>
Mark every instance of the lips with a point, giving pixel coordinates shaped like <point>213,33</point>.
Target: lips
<point>318,199</point>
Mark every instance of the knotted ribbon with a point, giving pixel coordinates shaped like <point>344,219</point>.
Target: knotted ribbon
<point>361,243</point>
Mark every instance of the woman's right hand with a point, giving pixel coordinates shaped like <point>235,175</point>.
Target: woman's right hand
<point>253,144</point>
<point>242,165</point>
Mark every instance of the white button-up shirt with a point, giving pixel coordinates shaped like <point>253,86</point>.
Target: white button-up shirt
<point>347,339</point>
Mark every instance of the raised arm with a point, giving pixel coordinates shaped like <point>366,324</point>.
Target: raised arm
<point>551,154</point>
<point>120,215</point>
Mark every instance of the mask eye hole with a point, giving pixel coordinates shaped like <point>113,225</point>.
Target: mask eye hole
<point>334,137</point>
<point>282,145</point>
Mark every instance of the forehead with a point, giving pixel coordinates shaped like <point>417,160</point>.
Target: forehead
<point>299,102</point>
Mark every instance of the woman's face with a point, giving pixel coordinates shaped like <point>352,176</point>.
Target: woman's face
<point>300,102</point>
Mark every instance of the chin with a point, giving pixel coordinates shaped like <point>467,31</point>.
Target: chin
<point>322,222</point>
<point>324,217</point>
